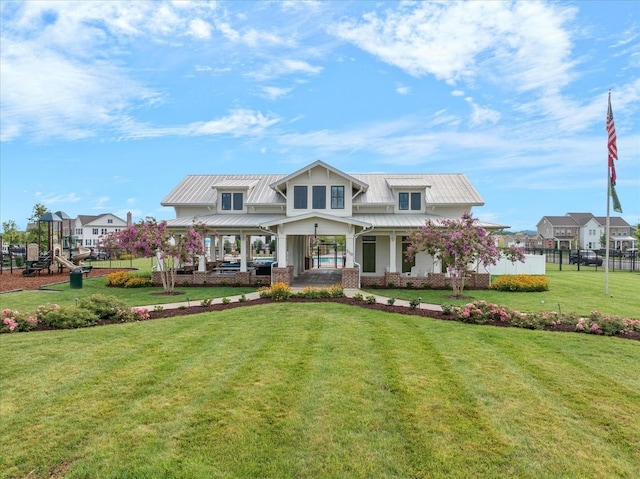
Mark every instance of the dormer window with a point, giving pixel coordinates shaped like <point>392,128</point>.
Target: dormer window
<point>319,197</point>
<point>408,201</point>
<point>337,197</point>
<point>232,201</point>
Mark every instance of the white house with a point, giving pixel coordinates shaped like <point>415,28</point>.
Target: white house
<point>373,212</point>
<point>89,230</point>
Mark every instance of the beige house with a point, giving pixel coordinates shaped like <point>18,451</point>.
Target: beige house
<point>371,213</point>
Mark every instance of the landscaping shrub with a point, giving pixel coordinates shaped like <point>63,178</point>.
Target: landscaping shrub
<point>68,317</point>
<point>391,301</point>
<point>414,303</point>
<point>277,291</point>
<point>15,321</point>
<point>119,278</point>
<point>358,297</point>
<point>138,282</point>
<point>130,315</point>
<point>371,299</point>
<point>127,279</point>
<point>521,282</point>
<point>104,306</point>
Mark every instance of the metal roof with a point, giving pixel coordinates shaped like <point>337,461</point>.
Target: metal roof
<point>408,221</point>
<point>444,189</point>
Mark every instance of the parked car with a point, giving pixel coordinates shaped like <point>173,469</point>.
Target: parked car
<point>98,255</point>
<point>585,257</point>
<point>631,253</point>
<point>613,253</point>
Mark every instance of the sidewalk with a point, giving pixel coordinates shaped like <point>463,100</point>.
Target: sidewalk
<point>349,293</point>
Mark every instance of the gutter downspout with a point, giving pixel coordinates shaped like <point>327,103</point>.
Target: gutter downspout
<point>355,236</point>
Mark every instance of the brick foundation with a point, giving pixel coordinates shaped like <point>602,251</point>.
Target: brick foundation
<point>207,278</point>
<point>350,277</point>
<point>283,275</point>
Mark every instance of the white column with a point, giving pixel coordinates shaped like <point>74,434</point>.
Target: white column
<point>243,253</point>
<point>220,248</point>
<point>392,253</point>
<point>350,246</point>
<point>282,250</point>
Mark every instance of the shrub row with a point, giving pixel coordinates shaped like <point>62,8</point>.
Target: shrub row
<point>282,292</point>
<point>87,312</point>
<point>481,312</point>
<point>521,282</point>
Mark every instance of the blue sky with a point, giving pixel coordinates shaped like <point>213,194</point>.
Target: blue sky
<point>106,106</point>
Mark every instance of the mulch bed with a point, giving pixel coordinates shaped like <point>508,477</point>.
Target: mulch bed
<point>15,281</point>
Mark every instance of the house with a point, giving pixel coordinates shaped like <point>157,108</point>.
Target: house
<point>372,213</point>
<point>585,231</point>
<point>88,230</point>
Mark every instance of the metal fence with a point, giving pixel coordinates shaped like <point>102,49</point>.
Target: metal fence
<point>561,258</point>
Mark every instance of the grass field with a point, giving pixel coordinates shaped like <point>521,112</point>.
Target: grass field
<point>309,390</point>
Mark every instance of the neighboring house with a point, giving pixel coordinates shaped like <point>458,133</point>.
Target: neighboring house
<point>373,212</point>
<point>585,231</point>
<point>88,230</point>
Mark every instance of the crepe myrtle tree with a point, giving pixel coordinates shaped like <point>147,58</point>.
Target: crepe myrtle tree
<point>151,238</point>
<point>459,244</point>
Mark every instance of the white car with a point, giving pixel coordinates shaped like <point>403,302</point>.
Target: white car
<point>631,252</point>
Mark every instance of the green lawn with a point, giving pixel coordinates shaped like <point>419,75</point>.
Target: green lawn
<point>317,390</point>
<point>578,292</point>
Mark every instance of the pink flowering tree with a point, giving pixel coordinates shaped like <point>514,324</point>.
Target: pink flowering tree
<point>459,244</point>
<point>151,238</point>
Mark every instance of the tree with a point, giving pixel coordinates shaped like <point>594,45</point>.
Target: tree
<point>459,244</point>
<point>11,235</point>
<point>37,235</point>
<point>150,238</point>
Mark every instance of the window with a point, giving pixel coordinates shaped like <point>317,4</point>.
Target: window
<point>109,221</point>
<point>95,231</point>
<point>237,201</point>
<point>103,231</point>
<point>368,254</point>
<point>300,197</point>
<point>232,201</point>
<point>319,197</point>
<point>403,201</point>
<point>226,201</point>
<point>337,197</point>
<point>415,201</point>
<point>78,231</point>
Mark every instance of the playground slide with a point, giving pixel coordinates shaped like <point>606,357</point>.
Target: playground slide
<point>80,253</point>
<point>65,262</point>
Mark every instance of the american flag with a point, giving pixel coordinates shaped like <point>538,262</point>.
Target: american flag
<point>613,148</point>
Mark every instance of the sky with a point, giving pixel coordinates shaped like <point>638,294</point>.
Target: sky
<point>106,106</point>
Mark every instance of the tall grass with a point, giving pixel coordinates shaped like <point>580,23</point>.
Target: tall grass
<point>301,390</point>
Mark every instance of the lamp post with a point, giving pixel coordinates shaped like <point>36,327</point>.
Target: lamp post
<point>315,239</point>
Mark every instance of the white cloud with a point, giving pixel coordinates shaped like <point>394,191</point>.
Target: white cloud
<point>198,28</point>
<point>274,93</point>
<point>240,122</point>
<point>457,93</point>
<point>403,90</point>
<point>285,67</point>
<point>456,41</point>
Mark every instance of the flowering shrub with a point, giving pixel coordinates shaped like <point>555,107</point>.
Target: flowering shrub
<point>521,282</point>
<point>129,315</point>
<point>15,321</point>
<point>481,312</point>
<point>119,278</point>
<point>597,323</point>
<point>127,279</point>
<point>277,291</point>
<point>138,282</point>
<point>311,292</point>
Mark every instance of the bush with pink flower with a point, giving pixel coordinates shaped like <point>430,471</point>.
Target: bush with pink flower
<point>13,320</point>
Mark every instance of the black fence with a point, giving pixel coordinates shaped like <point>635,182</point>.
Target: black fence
<point>572,260</point>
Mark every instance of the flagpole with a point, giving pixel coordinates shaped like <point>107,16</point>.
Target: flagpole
<point>608,222</point>
<point>606,230</point>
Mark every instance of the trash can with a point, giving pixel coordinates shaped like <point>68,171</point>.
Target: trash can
<point>75,278</point>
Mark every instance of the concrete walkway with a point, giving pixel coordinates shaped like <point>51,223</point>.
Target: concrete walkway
<point>349,293</point>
